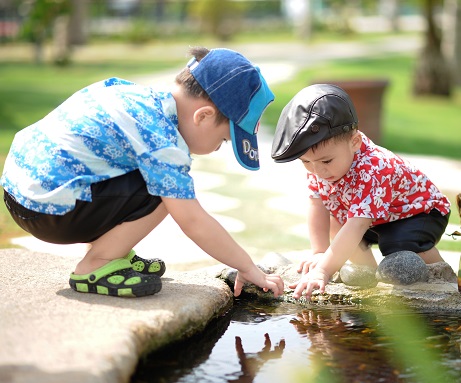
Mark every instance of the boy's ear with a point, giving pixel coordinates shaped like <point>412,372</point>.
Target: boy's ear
<point>356,140</point>
<point>203,113</point>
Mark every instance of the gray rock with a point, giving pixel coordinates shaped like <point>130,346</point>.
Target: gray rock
<point>272,263</point>
<point>358,275</point>
<point>402,268</point>
<point>441,272</point>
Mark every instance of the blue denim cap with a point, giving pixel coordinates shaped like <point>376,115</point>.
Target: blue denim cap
<point>240,92</point>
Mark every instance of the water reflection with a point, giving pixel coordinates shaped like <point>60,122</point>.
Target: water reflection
<point>251,363</point>
<point>264,343</point>
<point>345,344</point>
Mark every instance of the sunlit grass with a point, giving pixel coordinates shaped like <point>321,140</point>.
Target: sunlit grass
<point>414,125</point>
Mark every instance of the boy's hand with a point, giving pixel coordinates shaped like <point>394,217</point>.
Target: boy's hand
<point>256,276</point>
<point>315,279</point>
<point>309,263</point>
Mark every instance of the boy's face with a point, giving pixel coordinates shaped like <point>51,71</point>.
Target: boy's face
<point>209,136</point>
<point>220,134</point>
<point>332,160</point>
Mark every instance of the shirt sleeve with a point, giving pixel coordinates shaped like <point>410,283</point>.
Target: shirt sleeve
<point>161,153</point>
<point>313,186</point>
<point>166,175</point>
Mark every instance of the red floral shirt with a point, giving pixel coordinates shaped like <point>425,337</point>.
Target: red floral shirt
<point>379,185</point>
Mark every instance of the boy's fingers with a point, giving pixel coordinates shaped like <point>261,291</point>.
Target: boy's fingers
<point>308,287</point>
<point>237,287</point>
<point>300,266</point>
<point>299,288</point>
<point>274,283</point>
<point>280,284</point>
<point>293,285</point>
<point>274,287</point>
<point>321,287</point>
<point>306,268</point>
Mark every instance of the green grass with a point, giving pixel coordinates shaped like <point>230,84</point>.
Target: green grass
<point>29,92</point>
<point>414,125</point>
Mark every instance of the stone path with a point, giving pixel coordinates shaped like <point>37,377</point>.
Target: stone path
<point>50,334</point>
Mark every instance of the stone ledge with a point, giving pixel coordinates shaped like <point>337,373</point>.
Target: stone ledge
<point>440,293</point>
<point>49,333</point>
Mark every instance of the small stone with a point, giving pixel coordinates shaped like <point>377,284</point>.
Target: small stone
<point>441,272</point>
<point>358,275</point>
<point>402,268</point>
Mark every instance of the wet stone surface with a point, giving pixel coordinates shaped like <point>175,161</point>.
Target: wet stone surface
<point>439,291</point>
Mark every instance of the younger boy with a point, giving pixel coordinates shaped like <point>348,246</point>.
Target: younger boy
<point>109,164</point>
<point>359,193</point>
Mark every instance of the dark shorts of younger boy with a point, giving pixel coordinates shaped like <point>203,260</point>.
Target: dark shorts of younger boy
<point>114,201</point>
<point>418,233</point>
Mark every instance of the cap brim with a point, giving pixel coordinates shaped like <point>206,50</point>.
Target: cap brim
<point>245,147</point>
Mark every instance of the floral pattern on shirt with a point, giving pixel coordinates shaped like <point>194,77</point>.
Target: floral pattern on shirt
<point>103,131</point>
<point>379,185</point>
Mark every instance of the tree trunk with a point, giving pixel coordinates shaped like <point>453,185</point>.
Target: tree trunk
<point>38,52</point>
<point>390,10</point>
<point>78,28</point>
<point>432,75</point>
<point>451,40</point>
<point>60,40</point>
<point>159,10</point>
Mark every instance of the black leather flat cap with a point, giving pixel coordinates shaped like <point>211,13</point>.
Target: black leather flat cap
<point>315,114</point>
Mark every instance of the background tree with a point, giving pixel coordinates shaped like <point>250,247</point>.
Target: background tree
<point>40,20</point>
<point>78,19</point>
<point>432,74</point>
<point>451,37</point>
<point>221,18</point>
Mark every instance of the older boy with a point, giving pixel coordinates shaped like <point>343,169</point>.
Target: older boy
<point>109,164</point>
<point>360,193</point>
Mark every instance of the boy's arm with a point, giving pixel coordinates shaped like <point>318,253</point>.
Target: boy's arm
<point>318,223</point>
<point>344,244</point>
<point>211,237</point>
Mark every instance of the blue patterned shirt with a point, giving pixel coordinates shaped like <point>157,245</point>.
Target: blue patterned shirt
<point>103,131</point>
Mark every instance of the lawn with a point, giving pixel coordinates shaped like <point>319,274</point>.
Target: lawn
<point>416,125</point>
<point>423,125</point>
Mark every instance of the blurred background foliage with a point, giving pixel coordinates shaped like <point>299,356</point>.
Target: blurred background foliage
<point>51,48</point>
<point>56,31</point>
<point>75,22</point>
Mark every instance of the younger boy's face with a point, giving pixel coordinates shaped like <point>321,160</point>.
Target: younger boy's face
<point>333,160</point>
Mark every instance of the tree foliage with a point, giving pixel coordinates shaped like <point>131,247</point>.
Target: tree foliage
<point>41,16</point>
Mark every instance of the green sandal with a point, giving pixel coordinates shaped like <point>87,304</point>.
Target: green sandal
<point>146,266</point>
<point>117,278</point>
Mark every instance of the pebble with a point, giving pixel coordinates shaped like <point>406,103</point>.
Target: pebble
<point>402,268</point>
<point>358,275</point>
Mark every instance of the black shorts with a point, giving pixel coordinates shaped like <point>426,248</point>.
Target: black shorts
<point>418,233</point>
<point>114,201</point>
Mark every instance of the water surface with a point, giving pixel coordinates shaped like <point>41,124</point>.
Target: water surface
<point>285,343</point>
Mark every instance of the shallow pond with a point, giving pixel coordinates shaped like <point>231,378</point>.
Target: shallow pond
<point>286,343</point>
